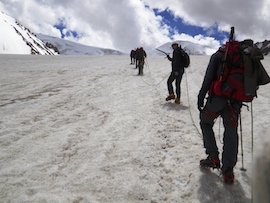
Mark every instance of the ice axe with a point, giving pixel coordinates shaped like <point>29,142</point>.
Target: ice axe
<point>162,52</point>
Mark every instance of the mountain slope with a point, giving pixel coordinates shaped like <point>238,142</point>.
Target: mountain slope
<point>66,47</point>
<point>190,47</point>
<point>264,46</point>
<point>17,39</point>
<point>197,49</point>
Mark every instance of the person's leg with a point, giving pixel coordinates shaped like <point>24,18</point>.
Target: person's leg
<point>230,140</point>
<point>140,70</point>
<point>209,142</point>
<point>230,117</point>
<point>211,111</point>
<point>169,84</point>
<point>142,65</point>
<point>178,85</point>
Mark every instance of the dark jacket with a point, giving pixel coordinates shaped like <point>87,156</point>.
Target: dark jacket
<point>141,54</point>
<point>211,73</point>
<point>132,53</point>
<point>176,60</point>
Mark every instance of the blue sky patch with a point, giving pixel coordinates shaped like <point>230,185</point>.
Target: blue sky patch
<point>177,24</point>
<point>61,26</point>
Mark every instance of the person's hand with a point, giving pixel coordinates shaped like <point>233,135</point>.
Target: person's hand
<point>168,56</point>
<point>176,73</point>
<point>200,102</point>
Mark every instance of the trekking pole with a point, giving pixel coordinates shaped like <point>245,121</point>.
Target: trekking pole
<point>252,131</point>
<point>252,186</point>
<point>241,135</point>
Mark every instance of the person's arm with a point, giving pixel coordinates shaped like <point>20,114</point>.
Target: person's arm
<point>169,58</point>
<point>210,76</point>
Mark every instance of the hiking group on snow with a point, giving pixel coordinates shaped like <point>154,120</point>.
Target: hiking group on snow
<point>138,57</point>
<point>233,76</point>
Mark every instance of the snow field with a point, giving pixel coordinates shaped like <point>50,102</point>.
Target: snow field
<point>88,129</point>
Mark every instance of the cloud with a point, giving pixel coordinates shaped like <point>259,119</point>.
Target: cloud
<point>126,24</point>
<point>250,18</point>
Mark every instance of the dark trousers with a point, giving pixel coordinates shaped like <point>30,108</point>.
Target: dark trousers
<point>177,79</point>
<point>229,111</point>
<point>141,64</point>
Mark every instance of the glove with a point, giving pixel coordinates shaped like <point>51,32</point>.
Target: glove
<point>200,102</point>
<point>168,56</point>
<point>176,74</point>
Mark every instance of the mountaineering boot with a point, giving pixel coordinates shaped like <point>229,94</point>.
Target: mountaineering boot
<point>170,97</point>
<point>228,176</point>
<point>210,163</point>
<point>177,100</point>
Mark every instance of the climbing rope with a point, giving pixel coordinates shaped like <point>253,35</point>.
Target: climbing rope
<point>150,75</point>
<point>189,106</point>
<point>189,109</point>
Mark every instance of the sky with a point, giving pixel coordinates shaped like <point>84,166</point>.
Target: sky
<point>68,136</point>
<point>126,24</point>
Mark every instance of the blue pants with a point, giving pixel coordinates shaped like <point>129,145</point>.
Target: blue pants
<point>229,111</point>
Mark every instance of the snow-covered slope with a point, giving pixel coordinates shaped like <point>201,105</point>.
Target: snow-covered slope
<point>264,46</point>
<point>66,47</point>
<point>88,129</point>
<point>190,47</point>
<point>17,39</point>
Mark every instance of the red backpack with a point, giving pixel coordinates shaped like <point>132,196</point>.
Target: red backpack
<point>230,79</point>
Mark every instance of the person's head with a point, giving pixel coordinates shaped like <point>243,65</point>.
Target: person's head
<point>174,46</point>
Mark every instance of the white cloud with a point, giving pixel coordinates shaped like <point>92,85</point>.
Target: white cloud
<point>199,39</point>
<point>250,18</point>
<point>125,24</point>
